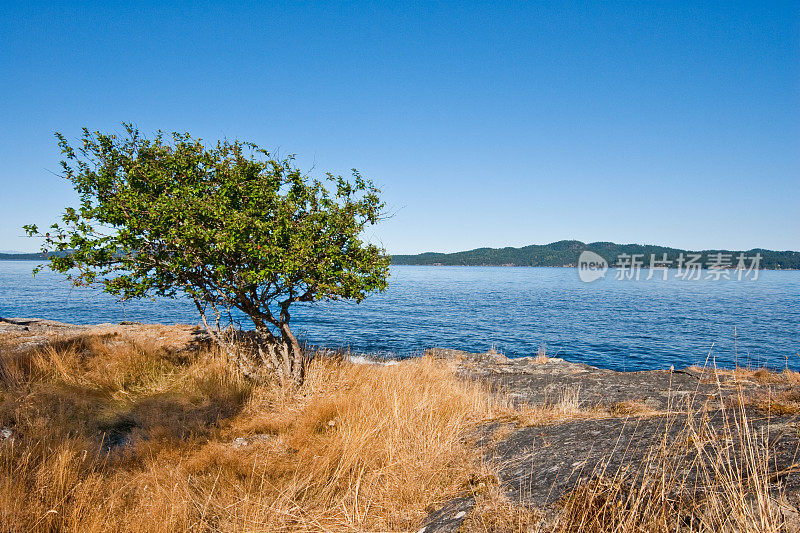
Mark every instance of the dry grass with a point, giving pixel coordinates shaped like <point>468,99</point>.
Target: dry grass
<point>541,355</point>
<point>494,512</point>
<point>773,392</point>
<point>565,406</point>
<point>700,478</point>
<point>108,429</point>
<point>562,407</point>
<point>633,408</point>
<point>747,375</point>
<point>358,447</point>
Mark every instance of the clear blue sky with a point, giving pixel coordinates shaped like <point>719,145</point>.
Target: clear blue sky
<point>494,125</point>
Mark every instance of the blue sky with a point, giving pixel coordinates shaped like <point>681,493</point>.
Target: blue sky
<point>500,124</point>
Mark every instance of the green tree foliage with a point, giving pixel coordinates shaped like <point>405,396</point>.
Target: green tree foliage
<point>230,226</point>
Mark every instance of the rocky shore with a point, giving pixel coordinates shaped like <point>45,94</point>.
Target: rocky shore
<point>636,411</point>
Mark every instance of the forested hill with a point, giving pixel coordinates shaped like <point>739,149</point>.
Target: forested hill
<point>565,253</point>
<point>557,254</point>
<point>32,256</point>
<point>24,256</point>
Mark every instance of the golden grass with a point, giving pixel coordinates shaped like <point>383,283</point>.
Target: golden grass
<point>701,478</point>
<point>117,432</point>
<point>563,407</point>
<point>745,375</point>
<point>494,512</point>
<point>541,355</point>
<point>773,392</point>
<point>358,447</point>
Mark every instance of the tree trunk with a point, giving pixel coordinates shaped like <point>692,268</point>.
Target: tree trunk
<point>283,354</point>
<point>295,356</point>
<point>256,352</point>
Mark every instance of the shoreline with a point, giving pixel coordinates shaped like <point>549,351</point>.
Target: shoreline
<point>43,327</point>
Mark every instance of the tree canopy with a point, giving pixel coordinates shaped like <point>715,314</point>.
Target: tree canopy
<point>229,225</point>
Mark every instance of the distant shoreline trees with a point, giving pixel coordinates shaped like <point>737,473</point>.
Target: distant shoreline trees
<point>565,253</point>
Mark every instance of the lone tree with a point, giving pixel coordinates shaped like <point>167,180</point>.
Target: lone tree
<point>231,226</point>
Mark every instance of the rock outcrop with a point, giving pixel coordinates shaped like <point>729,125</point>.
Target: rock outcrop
<point>638,417</point>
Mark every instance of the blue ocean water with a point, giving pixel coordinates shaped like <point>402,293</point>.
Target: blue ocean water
<point>618,324</point>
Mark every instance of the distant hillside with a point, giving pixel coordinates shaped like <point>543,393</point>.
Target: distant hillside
<point>565,253</point>
<point>556,254</point>
<point>28,256</point>
<point>19,256</point>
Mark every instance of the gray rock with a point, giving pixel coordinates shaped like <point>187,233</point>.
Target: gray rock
<point>241,442</point>
<point>538,465</point>
<point>450,517</point>
<point>6,434</point>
